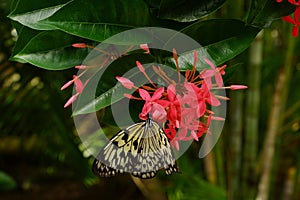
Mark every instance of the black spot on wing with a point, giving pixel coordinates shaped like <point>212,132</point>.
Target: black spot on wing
<point>125,136</point>
<point>135,144</point>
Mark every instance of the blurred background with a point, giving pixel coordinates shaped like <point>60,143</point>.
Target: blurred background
<point>41,156</point>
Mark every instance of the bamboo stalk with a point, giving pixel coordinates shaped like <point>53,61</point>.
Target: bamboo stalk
<point>289,184</point>
<point>252,118</point>
<point>210,168</point>
<point>275,121</point>
<point>220,160</point>
<point>234,9</point>
<point>234,164</point>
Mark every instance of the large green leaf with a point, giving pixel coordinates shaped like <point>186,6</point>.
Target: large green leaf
<point>48,49</point>
<point>30,12</point>
<point>98,20</point>
<point>187,10</point>
<point>91,19</point>
<point>263,12</point>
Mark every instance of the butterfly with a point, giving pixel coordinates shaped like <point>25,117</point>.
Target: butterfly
<point>140,149</point>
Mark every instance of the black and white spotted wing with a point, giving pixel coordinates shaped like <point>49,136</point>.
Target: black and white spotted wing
<point>140,149</point>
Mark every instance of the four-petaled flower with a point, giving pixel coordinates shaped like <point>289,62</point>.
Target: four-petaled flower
<point>295,21</point>
<point>151,103</point>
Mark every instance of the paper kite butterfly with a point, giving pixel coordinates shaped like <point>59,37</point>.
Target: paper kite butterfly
<point>140,149</point>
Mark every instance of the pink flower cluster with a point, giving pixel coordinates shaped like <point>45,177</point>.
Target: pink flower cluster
<point>183,106</point>
<point>295,21</point>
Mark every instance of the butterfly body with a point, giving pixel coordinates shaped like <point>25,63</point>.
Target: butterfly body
<point>140,149</point>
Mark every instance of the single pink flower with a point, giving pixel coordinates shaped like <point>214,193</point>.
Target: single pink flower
<point>149,101</point>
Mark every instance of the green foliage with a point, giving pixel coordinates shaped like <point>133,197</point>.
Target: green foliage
<point>49,28</point>
<point>6,182</point>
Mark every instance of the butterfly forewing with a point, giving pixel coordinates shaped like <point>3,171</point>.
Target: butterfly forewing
<point>141,149</point>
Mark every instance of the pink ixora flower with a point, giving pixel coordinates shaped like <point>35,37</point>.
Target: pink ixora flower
<point>150,101</point>
<point>182,107</point>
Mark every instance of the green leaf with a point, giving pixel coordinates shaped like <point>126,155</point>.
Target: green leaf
<point>48,49</point>
<point>222,40</point>
<point>6,182</point>
<point>95,20</point>
<point>30,12</point>
<point>187,10</point>
<point>263,12</point>
<point>98,20</point>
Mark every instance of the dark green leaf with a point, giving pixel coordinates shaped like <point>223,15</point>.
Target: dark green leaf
<point>29,13</point>
<point>91,19</point>
<point>187,10</point>
<point>263,12</point>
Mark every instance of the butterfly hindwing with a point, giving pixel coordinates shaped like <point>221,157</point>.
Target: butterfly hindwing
<point>140,149</point>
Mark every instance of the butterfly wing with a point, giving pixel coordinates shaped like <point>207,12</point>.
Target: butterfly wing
<point>141,149</point>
